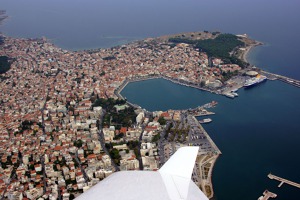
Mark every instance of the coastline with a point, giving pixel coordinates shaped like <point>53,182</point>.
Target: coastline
<point>248,49</point>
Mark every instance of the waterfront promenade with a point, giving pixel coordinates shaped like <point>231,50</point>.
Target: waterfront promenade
<point>119,89</point>
<point>207,155</point>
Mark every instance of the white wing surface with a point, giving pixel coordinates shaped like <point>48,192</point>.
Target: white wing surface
<point>171,182</point>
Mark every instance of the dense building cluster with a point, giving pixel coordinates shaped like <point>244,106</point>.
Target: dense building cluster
<point>50,144</point>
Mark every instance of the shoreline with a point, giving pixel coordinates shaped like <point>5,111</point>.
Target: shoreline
<point>212,157</point>
<point>249,48</point>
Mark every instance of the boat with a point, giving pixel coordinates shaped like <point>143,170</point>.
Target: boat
<point>205,121</point>
<point>235,94</point>
<point>229,95</point>
<point>214,103</point>
<point>254,81</point>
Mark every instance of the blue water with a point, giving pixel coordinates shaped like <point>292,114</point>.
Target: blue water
<point>258,132</point>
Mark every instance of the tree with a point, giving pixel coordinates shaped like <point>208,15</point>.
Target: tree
<point>114,153</point>
<point>72,196</point>
<point>136,152</point>
<point>155,138</point>
<point>102,73</point>
<point>202,83</point>
<point>78,143</point>
<point>162,121</point>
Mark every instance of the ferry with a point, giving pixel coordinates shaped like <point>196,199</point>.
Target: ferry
<point>205,121</point>
<point>254,81</point>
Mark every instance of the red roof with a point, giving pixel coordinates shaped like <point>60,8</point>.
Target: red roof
<point>151,128</point>
<point>57,148</point>
<point>165,114</point>
<point>123,130</point>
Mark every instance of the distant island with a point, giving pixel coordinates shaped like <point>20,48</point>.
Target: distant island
<point>3,15</point>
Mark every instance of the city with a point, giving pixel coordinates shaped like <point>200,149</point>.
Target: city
<point>54,143</point>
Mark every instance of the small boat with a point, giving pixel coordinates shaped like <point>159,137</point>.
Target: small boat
<point>205,121</point>
<point>229,95</point>
<point>235,94</point>
<point>214,103</point>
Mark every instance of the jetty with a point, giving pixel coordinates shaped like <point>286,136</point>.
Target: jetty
<point>282,181</point>
<point>285,79</point>
<point>267,194</point>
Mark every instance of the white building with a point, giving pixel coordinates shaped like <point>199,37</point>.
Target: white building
<point>109,134</point>
<point>133,134</point>
<point>140,117</point>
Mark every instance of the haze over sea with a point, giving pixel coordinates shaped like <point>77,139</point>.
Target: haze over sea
<point>257,132</point>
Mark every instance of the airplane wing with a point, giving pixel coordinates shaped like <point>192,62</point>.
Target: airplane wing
<point>171,182</point>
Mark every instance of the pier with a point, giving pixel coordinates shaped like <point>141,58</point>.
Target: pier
<point>282,181</point>
<point>267,194</point>
<point>285,79</point>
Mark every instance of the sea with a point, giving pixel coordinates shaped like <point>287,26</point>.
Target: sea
<point>257,132</point>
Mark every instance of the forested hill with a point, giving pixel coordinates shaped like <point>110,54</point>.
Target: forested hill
<point>219,47</point>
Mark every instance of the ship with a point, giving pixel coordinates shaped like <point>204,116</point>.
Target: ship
<point>235,94</point>
<point>254,81</point>
<point>205,121</point>
<point>229,95</point>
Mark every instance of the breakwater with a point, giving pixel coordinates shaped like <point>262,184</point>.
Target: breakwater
<point>284,79</point>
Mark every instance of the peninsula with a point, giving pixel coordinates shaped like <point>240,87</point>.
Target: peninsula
<point>64,126</point>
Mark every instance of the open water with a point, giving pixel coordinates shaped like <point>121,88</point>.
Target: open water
<point>258,132</point>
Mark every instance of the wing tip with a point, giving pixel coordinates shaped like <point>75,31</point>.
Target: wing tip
<point>182,162</point>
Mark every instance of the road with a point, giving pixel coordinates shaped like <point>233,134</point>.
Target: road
<point>161,144</point>
<point>42,111</point>
<point>102,142</point>
<point>44,173</point>
<point>86,178</point>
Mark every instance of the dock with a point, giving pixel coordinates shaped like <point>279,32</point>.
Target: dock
<point>285,79</point>
<point>267,194</point>
<point>282,181</point>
